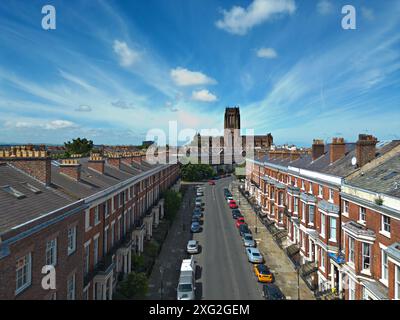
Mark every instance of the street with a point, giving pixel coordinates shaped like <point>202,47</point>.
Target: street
<point>224,272</point>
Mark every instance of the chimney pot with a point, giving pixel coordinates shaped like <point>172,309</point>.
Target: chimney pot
<point>71,168</point>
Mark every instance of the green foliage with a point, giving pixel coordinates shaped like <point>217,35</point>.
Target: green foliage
<point>138,263</point>
<point>379,201</point>
<point>79,146</point>
<point>135,286</point>
<point>173,201</point>
<point>152,249</point>
<point>197,172</point>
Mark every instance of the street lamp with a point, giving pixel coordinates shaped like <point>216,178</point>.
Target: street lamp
<point>161,284</point>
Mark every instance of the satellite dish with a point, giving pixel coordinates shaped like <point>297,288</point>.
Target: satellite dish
<point>354,161</point>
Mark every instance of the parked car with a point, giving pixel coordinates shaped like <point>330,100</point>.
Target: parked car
<point>195,227</point>
<point>229,198</point>
<point>244,228</point>
<point>211,182</point>
<point>192,247</point>
<point>236,213</point>
<point>254,255</point>
<point>233,205</point>
<point>272,292</point>
<point>196,218</point>
<point>239,222</point>
<point>197,211</point>
<point>198,202</point>
<point>248,240</point>
<point>262,273</point>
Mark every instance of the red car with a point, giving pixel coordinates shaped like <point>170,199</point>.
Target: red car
<point>211,182</point>
<point>233,205</point>
<point>239,222</point>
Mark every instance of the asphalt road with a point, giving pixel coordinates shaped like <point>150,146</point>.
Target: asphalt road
<point>223,269</point>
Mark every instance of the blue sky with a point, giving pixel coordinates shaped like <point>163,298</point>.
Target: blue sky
<point>112,70</point>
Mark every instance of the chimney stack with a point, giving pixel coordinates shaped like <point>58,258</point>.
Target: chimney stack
<point>294,155</point>
<point>114,159</point>
<point>338,149</point>
<point>365,149</point>
<point>37,164</point>
<point>71,168</point>
<point>318,148</point>
<point>96,163</point>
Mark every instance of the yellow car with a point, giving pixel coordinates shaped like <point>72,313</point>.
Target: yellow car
<point>262,273</point>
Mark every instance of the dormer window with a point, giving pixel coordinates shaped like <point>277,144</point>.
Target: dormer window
<point>14,192</point>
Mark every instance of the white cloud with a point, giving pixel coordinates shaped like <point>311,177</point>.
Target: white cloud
<point>367,13</point>
<point>76,80</point>
<point>204,96</point>
<point>239,20</point>
<point>123,104</point>
<point>127,56</point>
<point>325,7</point>
<point>185,77</point>
<point>59,124</point>
<point>268,53</point>
<point>84,108</point>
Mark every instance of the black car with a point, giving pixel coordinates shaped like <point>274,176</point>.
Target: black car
<point>244,228</point>
<point>272,292</point>
<point>198,211</point>
<point>236,213</point>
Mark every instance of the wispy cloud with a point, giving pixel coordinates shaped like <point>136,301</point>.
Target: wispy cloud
<point>239,20</point>
<point>126,55</point>
<point>84,108</point>
<point>325,7</point>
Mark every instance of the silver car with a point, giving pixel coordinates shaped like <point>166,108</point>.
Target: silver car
<point>192,247</point>
<point>254,255</point>
<point>248,240</point>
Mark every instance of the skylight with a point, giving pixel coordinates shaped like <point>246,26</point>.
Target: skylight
<point>13,192</point>
<point>31,187</point>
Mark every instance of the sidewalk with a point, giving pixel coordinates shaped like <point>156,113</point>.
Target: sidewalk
<point>172,253</point>
<point>275,258</point>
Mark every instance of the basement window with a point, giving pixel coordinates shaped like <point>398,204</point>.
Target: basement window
<point>13,192</point>
<point>31,187</point>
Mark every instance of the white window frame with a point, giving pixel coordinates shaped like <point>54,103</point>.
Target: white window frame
<point>397,282</point>
<point>311,223</point>
<point>310,189</point>
<point>384,267</point>
<point>71,287</point>
<point>323,225</point>
<point>363,255</point>
<point>331,195</point>
<point>385,225</point>
<point>106,211</point>
<point>71,240</point>
<point>26,272</point>
<point>51,252</point>
<point>96,249</point>
<point>303,211</point>
<point>332,235</point>
<point>346,207</point>
<point>351,250</point>
<point>96,215</point>
<point>86,258</point>
<point>352,289</point>
<point>320,191</point>
<point>362,215</point>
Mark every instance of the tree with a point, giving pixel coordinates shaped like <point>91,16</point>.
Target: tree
<point>173,201</point>
<point>79,146</point>
<point>135,286</point>
<point>197,172</point>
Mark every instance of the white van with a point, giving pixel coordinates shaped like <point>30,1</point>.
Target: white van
<point>186,286</point>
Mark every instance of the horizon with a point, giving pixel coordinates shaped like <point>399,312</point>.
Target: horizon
<point>111,71</point>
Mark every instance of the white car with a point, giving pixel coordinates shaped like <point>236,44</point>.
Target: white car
<point>192,247</point>
<point>229,199</point>
<point>254,255</point>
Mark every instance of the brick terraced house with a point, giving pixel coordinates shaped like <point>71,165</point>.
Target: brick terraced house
<point>335,210</point>
<point>84,216</point>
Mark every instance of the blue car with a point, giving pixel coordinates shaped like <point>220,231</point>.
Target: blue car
<point>195,227</point>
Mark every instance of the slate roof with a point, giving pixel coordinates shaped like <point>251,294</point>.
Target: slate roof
<point>384,178</point>
<point>14,211</point>
<point>340,168</point>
